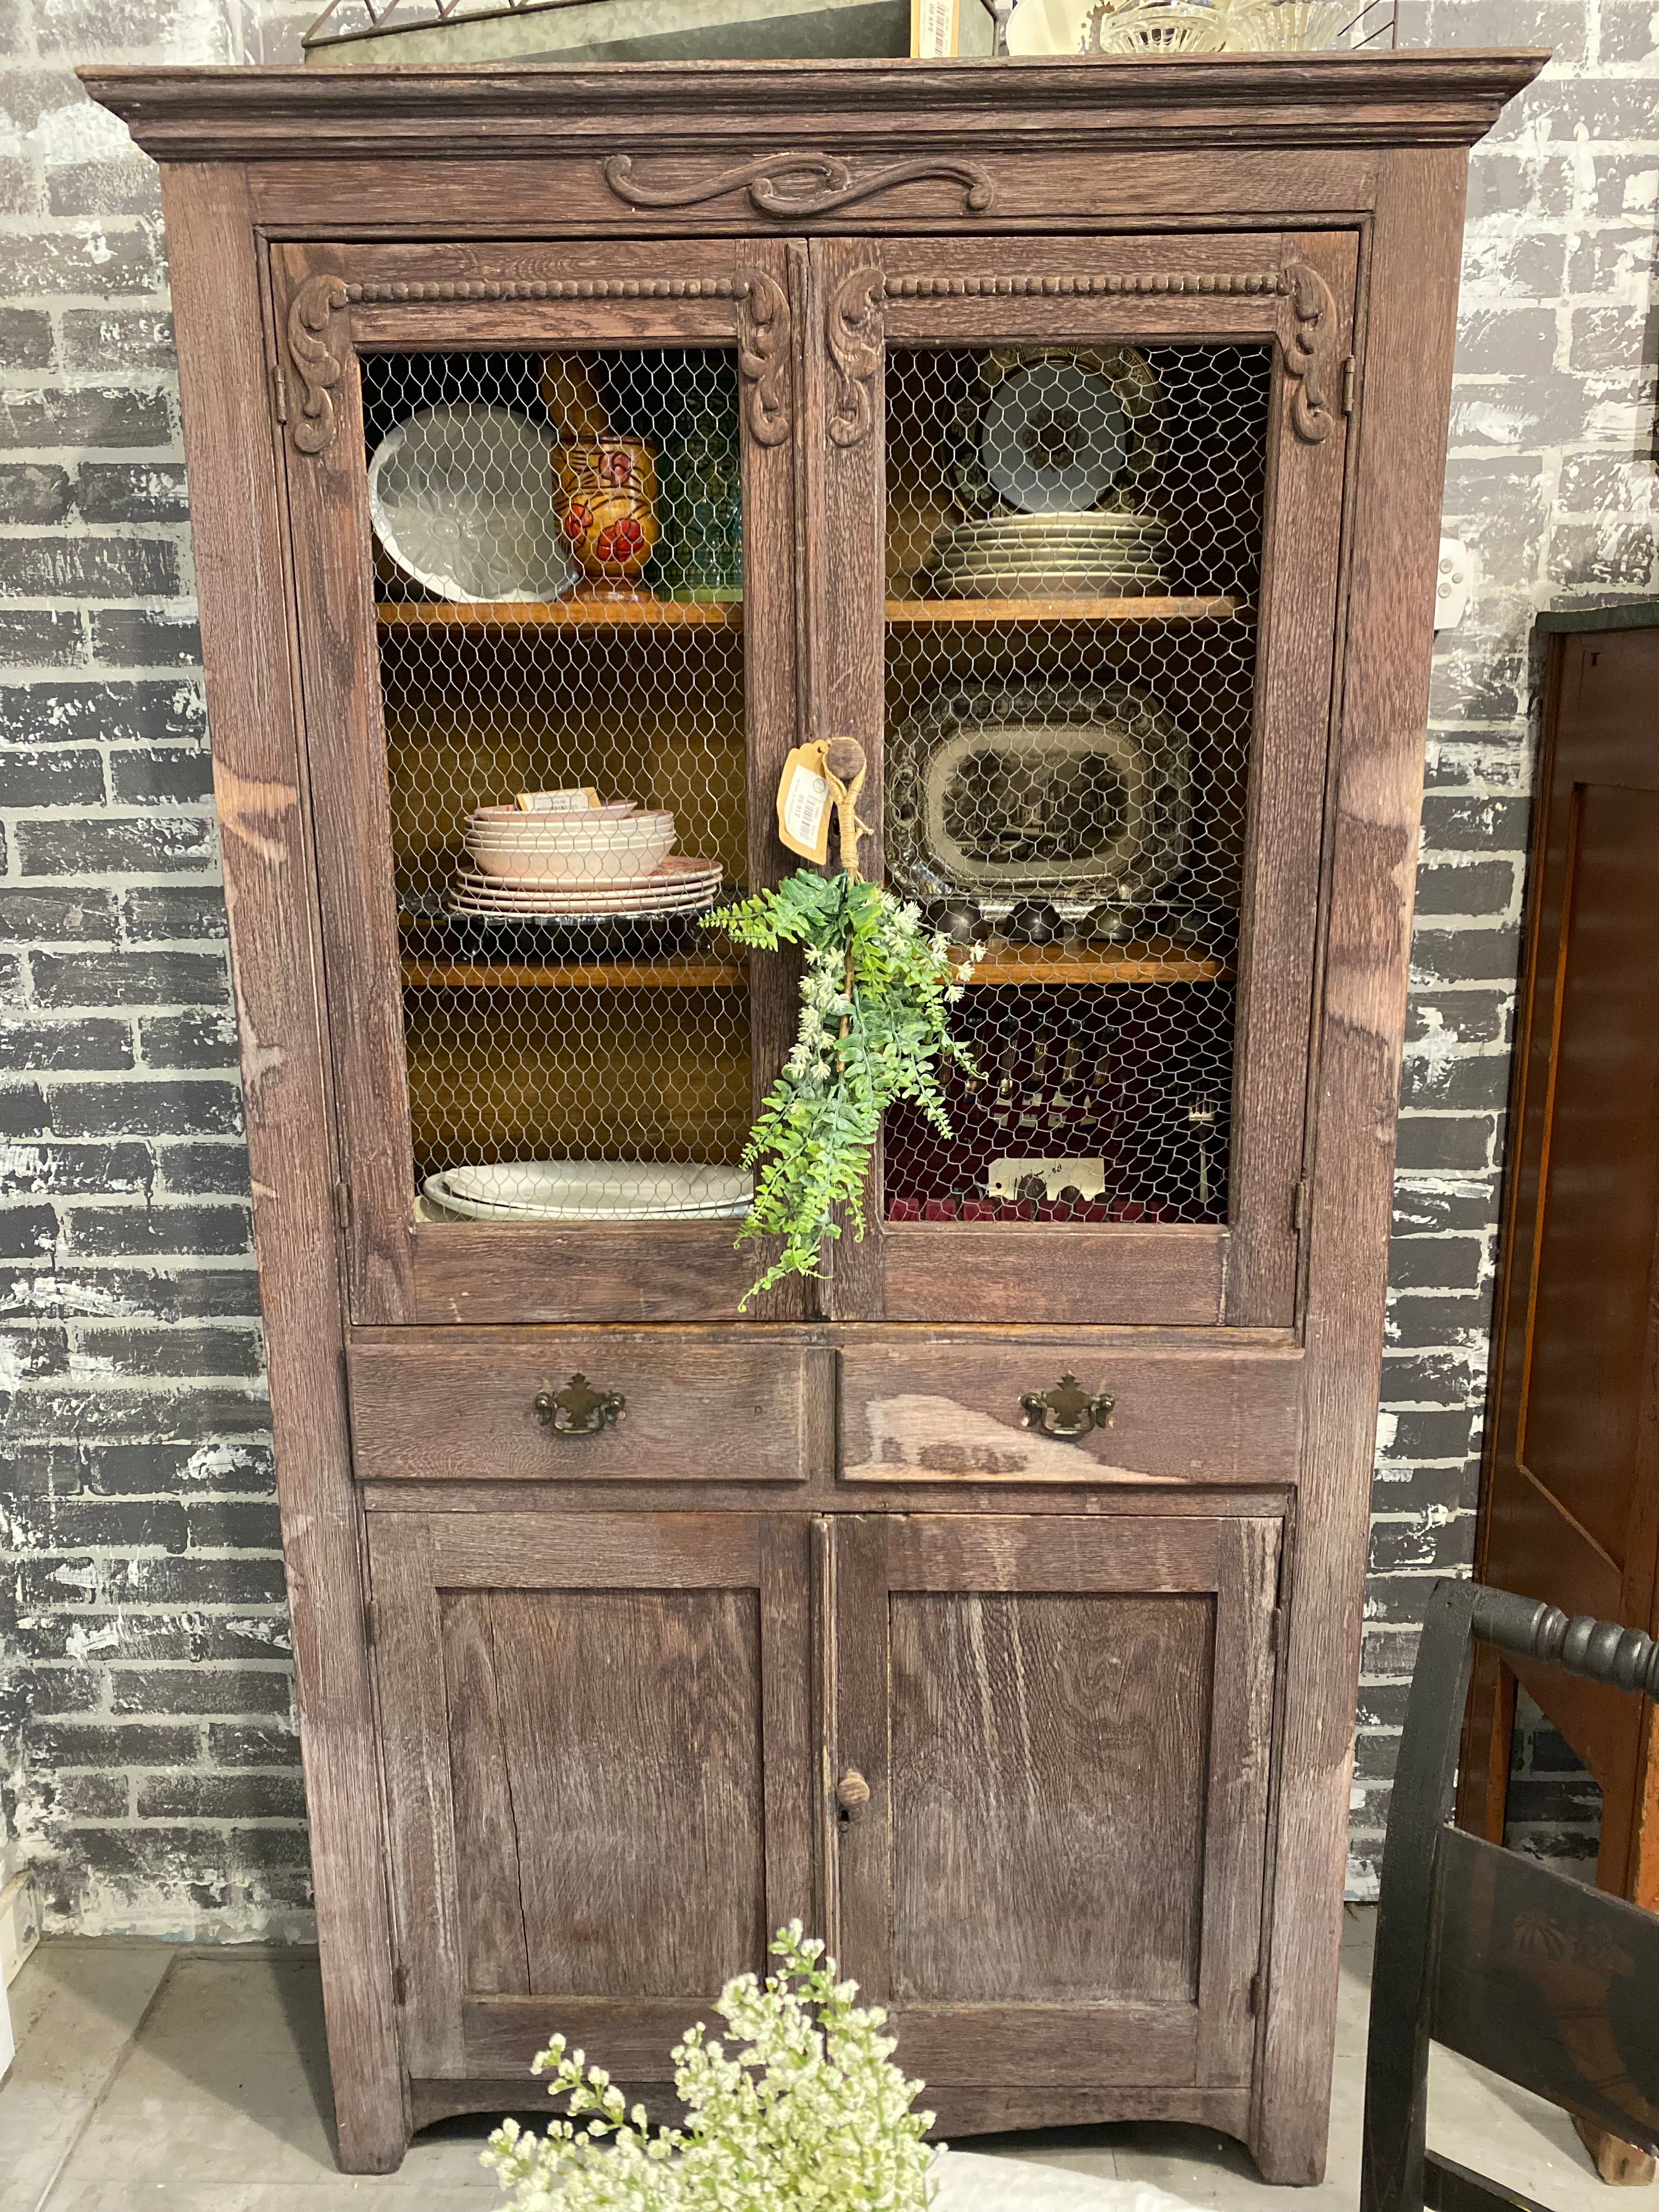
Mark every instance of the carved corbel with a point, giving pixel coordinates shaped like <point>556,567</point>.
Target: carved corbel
<point>311,331</point>
<point>856,324</point>
<point>763,356</point>
<point>1309,351</point>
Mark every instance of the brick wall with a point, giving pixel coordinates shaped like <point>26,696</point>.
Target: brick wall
<point>148,1746</point>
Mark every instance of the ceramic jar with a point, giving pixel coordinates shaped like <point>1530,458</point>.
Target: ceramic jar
<point>607,501</point>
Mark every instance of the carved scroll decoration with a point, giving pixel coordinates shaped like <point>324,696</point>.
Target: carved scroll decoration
<point>318,365</point>
<point>855,335</point>
<point>802,184</point>
<point>1308,350</point>
<point>312,335</point>
<point>763,356</point>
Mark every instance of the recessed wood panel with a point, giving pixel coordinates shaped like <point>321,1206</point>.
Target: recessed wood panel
<point>635,1719</point>
<point>1047,1789</point>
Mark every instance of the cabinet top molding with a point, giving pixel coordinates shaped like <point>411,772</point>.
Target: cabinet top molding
<point>1418,98</point>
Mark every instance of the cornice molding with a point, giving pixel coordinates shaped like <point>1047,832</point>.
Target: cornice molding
<point>718,109</point>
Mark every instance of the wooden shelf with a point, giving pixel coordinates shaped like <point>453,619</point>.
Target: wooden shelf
<point>673,972</point>
<point>1054,964</point>
<point>560,614</point>
<point>914,613</point>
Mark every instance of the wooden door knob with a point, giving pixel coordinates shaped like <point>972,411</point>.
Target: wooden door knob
<point>851,1791</point>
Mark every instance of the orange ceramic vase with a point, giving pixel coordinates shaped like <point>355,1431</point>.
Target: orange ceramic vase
<point>608,505</point>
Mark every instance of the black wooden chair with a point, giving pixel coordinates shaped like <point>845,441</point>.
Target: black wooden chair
<point>1545,1981</point>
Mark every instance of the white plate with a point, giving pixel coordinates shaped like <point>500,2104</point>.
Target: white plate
<point>1053,437</point>
<point>663,878</point>
<point>593,1190</point>
<point>461,497</point>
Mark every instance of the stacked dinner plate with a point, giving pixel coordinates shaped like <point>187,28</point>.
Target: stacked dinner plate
<point>1049,557</point>
<point>593,1190</point>
<point>680,885</point>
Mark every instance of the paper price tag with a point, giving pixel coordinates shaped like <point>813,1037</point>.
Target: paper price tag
<point>804,804</point>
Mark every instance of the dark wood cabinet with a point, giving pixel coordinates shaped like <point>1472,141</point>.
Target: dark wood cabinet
<point>1070,433</point>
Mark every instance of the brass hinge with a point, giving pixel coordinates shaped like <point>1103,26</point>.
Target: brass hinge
<point>343,1207</point>
<point>399,1986</point>
<point>371,1622</point>
<point>279,385</point>
<point>1299,1208</point>
<point>1349,376</point>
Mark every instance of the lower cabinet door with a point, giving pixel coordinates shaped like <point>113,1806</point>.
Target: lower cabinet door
<point>1064,1726</point>
<point>596,1762</point>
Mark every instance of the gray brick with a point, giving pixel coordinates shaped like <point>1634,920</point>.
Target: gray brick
<point>115,1232</point>
<point>140,637</point>
<point>22,1110</point>
<point>1450,1142</point>
<point>199,1690</point>
<point>34,491</point>
<point>1423,1319</point>
<point>195,1580</point>
<point>1382,1705</point>
<point>1625,30</point>
<point>125,978</point>
<point>132,845</point>
<point>151,711</point>
<point>1486,887</point>
<point>1399,1598</point>
<point>1557,1804</point>
<point>206,1171</point>
<point>25,338</point>
<point>1609,262</point>
<point>205,1039</point>
<point>111,258</point>
<point>87,1796</point>
<point>233,1524</point>
<point>56,1524</point>
<point>136,1743</point>
<point>118,337</point>
<point>34,1352</point>
<point>66,1170</point>
<point>91,567</point>
<point>33,1046</point>
<point>1440,1263</point>
<point>1473,1017</point>
<point>169,913</point>
<point>1510,264</point>
<point>1481,1081</point>
<point>1605,483</point>
<point>50,916</point>
<point>26,1231</point>
<point>1557,24</point>
<point>169,1294</point>
<point>1505,341</point>
<point>170,775</point>
<point>1466,956</point>
<point>1612,553</point>
<point>1612,338</point>
<point>1447,1546</point>
<point>233,1743</point>
<point>1421,1435</point>
<point>159,1470</point>
<point>104,189</point>
<point>40,637</point>
<point>173,1350</point>
<point>147,491</point>
<point>94,415</point>
<point>165,1109</point>
<point>221,1797</point>
<point>56,775</point>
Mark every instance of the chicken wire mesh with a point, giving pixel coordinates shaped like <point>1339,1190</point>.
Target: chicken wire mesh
<point>558,552</point>
<point>1073,557</point>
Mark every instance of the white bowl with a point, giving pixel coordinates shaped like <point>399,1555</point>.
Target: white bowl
<point>461,497</point>
<point>596,863</point>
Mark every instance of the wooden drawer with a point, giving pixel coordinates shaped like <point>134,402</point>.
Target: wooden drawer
<point>460,1405</point>
<point>949,1409</point>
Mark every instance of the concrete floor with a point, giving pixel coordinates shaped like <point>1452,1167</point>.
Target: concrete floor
<point>195,2081</point>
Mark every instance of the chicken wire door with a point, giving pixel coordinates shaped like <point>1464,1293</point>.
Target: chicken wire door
<point>1095,488</point>
<point>541,517</point>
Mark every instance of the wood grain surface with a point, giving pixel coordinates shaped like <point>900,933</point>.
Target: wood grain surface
<point>961,1270</point>
<point>460,1405</point>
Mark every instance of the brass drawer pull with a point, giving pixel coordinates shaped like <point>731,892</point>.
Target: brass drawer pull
<point>579,1410</point>
<point>1067,1410</point>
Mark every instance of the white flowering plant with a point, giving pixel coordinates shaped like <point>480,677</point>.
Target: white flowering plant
<point>876,988</point>
<point>807,2114</point>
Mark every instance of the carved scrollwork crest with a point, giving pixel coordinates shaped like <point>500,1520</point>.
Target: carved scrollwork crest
<point>856,332</point>
<point>311,334</point>
<point>763,356</point>
<point>1309,351</point>
<point>807,183</point>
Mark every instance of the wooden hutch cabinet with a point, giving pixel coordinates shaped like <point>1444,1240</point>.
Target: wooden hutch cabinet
<point>1071,434</point>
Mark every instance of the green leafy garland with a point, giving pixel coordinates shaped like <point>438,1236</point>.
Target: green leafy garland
<point>874,991</point>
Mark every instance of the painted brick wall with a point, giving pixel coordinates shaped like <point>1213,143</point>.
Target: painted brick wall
<point>148,1746</point>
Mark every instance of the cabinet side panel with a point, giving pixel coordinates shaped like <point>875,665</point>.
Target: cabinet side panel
<point>1401,444</point>
<point>234,512</point>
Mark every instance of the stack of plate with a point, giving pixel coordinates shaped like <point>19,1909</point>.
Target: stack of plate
<point>680,885</point>
<point>1049,557</point>
<point>592,1190</point>
<point>596,846</point>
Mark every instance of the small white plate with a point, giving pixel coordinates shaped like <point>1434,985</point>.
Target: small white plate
<point>593,1190</point>
<point>461,497</point>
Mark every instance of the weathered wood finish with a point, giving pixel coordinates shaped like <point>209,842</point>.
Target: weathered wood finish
<point>1166,1609</point>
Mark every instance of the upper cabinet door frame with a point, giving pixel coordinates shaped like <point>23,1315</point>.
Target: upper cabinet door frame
<point>331,303</point>
<point>1293,290</point>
